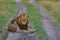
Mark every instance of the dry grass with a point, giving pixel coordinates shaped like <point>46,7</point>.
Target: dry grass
<point>2,0</point>
<point>3,8</point>
<point>10,1</point>
<point>53,8</point>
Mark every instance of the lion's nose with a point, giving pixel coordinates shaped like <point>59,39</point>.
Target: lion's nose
<point>24,20</point>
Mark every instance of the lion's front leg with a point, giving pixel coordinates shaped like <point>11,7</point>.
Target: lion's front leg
<point>25,28</point>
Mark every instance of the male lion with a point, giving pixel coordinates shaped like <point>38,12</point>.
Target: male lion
<point>22,21</point>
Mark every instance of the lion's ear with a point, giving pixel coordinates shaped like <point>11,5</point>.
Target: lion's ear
<point>20,15</point>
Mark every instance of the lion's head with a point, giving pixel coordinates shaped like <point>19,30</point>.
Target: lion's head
<point>23,19</point>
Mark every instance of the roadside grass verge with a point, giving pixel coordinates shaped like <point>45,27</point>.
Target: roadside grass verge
<point>7,9</point>
<point>35,18</point>
<point>53,8</point>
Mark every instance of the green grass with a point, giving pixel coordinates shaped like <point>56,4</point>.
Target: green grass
<point>35,18</point>
<point>7,9</point>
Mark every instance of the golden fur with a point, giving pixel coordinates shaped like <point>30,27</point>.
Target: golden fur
<point>22,18</point>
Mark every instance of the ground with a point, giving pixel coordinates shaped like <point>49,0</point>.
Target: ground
<point>39,18</point>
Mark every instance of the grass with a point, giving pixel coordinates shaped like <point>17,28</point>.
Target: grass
<point>53,8</point>
<point>7,9</point>
<point>35,18</point>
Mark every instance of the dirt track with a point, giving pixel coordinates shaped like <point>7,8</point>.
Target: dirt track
<point>21,35</point>
<point>50,27</point>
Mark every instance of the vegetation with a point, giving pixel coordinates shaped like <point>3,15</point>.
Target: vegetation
<point>35,18</point>
<point>53,8</point>
<point>7,9</point>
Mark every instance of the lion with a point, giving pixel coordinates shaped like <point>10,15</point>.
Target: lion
<point>12,28</point>
<point>22,21</point>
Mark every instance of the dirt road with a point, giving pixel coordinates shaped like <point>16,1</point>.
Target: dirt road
<point>21,35</point>
<point>50,27</point>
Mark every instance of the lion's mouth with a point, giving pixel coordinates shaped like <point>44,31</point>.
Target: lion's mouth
<point>24,21</point>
